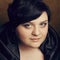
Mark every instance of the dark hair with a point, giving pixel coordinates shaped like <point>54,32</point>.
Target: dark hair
<point>21,11</point>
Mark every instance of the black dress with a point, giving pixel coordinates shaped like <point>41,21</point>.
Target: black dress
<point>9,44</point>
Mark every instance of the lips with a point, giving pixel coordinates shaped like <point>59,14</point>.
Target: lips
<point>35,39</point>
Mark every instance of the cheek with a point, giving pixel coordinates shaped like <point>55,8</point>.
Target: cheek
<point>23,34</point>
<point>45,31</point>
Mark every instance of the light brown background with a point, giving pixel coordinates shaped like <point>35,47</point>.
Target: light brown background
<point>53,4</point>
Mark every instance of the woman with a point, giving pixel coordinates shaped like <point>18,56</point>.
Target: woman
<point>28,35</point>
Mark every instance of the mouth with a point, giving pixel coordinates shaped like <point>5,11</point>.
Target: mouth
<point>35,39</point>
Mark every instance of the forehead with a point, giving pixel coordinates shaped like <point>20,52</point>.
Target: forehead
<point>41,18</point>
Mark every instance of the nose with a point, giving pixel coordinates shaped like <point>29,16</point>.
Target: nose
<point>36,31</point>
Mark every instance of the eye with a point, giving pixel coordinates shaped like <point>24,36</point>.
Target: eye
<point>43,24</point>
<point>27,25</point>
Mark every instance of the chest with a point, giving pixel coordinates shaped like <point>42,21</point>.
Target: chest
<point>31,57</point>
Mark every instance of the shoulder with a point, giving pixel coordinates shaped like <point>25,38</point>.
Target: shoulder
<point>4,27</point>
<point>4,32</point>
<point>53,44</point>
<point>7,48</point>
<point>7,33</point>
<point>3,42</point>
<point>54,37</point>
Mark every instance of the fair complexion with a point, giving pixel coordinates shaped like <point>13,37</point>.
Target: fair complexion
<point>32,34</point>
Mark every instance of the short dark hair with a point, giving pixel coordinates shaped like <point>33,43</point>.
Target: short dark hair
<point>21,11</point>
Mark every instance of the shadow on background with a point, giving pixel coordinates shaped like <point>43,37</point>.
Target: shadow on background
<point>53,4</point>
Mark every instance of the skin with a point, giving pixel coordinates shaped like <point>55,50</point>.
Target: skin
<point>33,33</point>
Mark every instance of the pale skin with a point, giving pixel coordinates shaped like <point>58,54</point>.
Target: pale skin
<point>32,34</point>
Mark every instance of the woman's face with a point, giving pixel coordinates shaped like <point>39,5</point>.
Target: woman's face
<point>33,33</point>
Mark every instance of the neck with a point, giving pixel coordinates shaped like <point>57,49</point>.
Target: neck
<point>31,53</point>
<point>27,48</point>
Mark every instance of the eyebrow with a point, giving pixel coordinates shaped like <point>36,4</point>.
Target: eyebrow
<point>44,21</point>
<point>41,21</point>
<point>32,22</point>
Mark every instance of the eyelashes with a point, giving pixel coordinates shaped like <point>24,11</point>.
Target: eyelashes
<point>43,24</point>
<point>27,25</point>
<point>30,25</point>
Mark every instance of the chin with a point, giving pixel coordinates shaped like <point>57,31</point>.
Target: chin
<point>35,46</point>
